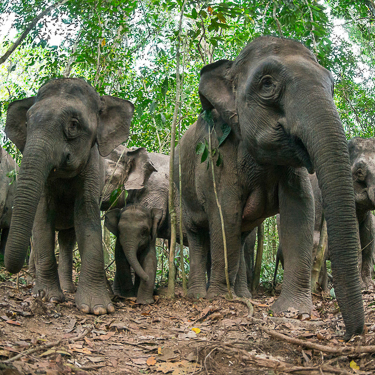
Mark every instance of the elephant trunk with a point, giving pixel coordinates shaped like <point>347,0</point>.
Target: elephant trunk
<point>35,168</point>
<point>326,144</point>
<point>131,256</point>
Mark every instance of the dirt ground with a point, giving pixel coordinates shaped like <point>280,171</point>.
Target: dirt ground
<point>178,337</point>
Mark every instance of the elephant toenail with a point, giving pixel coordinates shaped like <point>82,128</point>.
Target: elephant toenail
<point>85,309</point>
<point>99,310</point>
<point>111,308</point>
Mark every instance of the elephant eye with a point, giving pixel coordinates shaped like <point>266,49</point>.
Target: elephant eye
<point>144,232</point>
<point>267,82</point>
<point>73,128</point>
<point>360,174</point>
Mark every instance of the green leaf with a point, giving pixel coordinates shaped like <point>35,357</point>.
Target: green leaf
<point>164,86</point>
<point>114,195</point>
<point>200,148</point>
<point>205,153</point>
<point>194,13</point>
<point>226,129</point>
<point>152,107</point>
<point>219,160</point>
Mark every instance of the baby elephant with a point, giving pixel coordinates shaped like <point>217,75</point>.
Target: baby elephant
<point>135,228</point>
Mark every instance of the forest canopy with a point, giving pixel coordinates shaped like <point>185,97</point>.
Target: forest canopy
<point>127,48</point>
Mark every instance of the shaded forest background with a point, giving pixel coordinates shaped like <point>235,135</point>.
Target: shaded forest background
<point>128,49</point>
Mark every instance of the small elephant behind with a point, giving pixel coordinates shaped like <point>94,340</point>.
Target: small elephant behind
<point>136,230</point>
<point>7,193</point>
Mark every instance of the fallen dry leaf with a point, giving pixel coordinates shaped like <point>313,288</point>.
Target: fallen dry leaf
<point>13,322</point>
<point>196,330</point>
<point>151,361</point>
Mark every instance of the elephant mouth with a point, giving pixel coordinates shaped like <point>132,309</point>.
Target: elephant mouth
<point>299,156</point>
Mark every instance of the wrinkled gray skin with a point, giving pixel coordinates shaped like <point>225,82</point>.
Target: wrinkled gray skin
<point>7,193</point>
<point>61,132</point>
<point>362,161</point>
<point>137,228</point>
<point>278,102</point>
<point>128,168</point>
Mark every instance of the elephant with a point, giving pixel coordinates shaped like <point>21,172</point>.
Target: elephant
<point>136,230</point>
<point>271,119</point>
<point>62,132</point>
<point>8,185</point>
<point>124,167</point>
<point>137,226</point>
<point>362,156</point>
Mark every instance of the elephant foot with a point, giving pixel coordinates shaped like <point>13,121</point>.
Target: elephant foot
<point>243,292</point>
<point>48,292</point>
<point>93,300</point>
<point>367,283</point>
<point>283,304</point>
<point>145,300</point>
<point>122,292</point>
<point>67,286</point>
<point>196,293</point>
<point>218,291</point>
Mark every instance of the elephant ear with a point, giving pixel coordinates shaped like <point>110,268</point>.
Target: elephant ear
<point>114,123</point>
<point>111,220</point>
<point>15,126</point>
<point>140,169</point>
<point>157,215</point>
<point>216,92</point>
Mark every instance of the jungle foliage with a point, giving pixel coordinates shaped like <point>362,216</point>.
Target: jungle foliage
<point>128,49</point>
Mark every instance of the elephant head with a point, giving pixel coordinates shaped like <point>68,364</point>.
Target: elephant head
<point>135,227</point>
<point>56,131</point>
<point>278,101</point>
<point>362,160</point>
<point>130,168</point>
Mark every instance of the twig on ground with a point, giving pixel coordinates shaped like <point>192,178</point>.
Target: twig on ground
<point>43,347</point>
<point>324,348</point>
<point>244,301</point>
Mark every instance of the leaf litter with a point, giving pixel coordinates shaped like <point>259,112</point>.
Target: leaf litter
<point>179,337</point>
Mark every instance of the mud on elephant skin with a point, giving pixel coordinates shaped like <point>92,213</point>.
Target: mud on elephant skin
<point>62,132</point>
<point>8,184</point>
<point>136,230</point>
<point>278,102</point>
<point>125,168</point>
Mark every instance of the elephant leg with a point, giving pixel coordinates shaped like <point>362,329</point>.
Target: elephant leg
<point>296,237</point>
<point>67,241</point>
<point>32,269</point>
<point>4,237</point>
<point>122,284</point>
<point>249,247</point>
<point>47,279</point>
<point>198,252</point>
<point>92,295</point>
<point>146,288</point>
<point>218,284</point>
<point>240,285</point>
<point>366,233</point>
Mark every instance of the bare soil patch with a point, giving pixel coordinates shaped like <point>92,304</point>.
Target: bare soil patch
<point>178,337</point>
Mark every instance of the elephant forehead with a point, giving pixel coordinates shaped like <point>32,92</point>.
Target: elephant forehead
<point>135,214</point>
<point>70,89</point>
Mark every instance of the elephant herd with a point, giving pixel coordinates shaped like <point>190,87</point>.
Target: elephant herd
<point>271,118</point>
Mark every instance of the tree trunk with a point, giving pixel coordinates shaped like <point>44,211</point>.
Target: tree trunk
<point>258,262</point>
<point>172,211</point>
<point>320,257</point>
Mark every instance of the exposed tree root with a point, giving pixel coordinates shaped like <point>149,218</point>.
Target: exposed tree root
<point>323,348</point>
<point>243,301</point>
